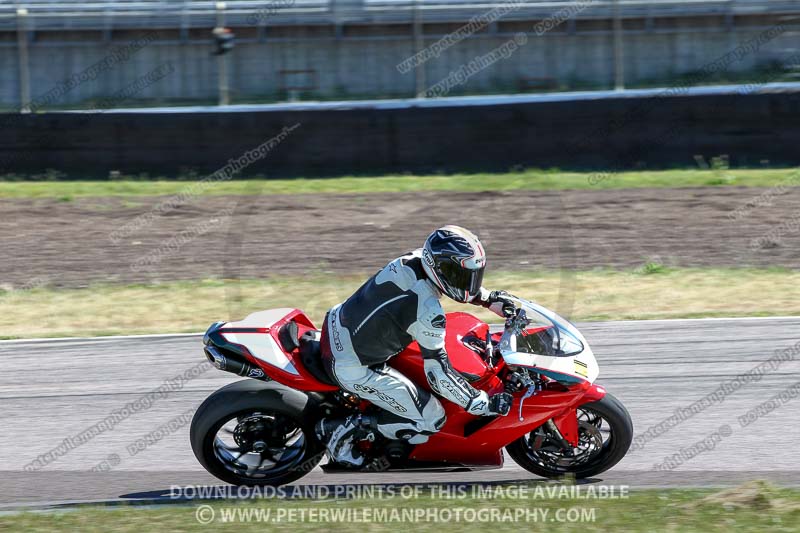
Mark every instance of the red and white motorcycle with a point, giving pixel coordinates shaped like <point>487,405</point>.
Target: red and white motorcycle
<point>260,431</point>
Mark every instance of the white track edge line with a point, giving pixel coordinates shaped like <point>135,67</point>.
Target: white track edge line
<point>198,334</point>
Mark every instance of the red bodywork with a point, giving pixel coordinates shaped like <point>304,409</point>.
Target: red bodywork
<point>465,439</point>
<point>305,380</point>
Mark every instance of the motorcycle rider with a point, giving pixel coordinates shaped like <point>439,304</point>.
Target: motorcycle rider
<point>396,306</point>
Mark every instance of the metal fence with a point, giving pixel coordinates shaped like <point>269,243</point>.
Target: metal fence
<point>353,49</point>
<point>74,14</point>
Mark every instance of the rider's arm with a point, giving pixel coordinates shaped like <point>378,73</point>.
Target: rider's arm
<point>428,331</point>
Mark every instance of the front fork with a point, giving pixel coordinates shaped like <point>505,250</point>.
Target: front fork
<point>565,426</point>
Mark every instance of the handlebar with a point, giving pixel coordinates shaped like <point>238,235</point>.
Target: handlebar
<point>519,321</point>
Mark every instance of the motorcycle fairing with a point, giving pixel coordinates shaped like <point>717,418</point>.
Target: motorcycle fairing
<point>575,366</point>
<point>256,338</point>
<point>465,439</point>
<point>454,443</point>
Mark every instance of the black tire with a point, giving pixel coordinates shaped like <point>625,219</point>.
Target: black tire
<point>246,397</point>
<point>613,450</point>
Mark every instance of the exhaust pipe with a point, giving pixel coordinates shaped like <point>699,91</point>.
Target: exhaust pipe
<point>234,365</point>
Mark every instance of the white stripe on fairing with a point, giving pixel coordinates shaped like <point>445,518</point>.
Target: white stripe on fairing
<point>264,348</point>
<point>384,304</point>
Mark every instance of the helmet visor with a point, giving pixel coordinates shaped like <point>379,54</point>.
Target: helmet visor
<point>463,282</point>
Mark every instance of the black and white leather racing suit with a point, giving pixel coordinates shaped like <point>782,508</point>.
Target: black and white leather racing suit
<point>396,306</point>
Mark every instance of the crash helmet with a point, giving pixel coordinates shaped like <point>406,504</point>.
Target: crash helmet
<point>454,260</point>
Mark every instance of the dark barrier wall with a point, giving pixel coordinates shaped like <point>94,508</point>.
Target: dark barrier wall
<point>607,132</point>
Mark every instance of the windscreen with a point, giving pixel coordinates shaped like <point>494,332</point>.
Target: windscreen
<point>548,335</point>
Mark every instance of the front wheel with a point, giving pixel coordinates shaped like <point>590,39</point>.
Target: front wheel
<point>605,434</point>
<point>251,433</point>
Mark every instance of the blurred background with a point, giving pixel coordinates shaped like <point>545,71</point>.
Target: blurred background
<point>590,84</point>
<point>159,141</point>
<point>165,164</point>
<point>354,49</point>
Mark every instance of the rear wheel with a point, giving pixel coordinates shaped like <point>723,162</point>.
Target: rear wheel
<point>247,436</point>
<point>605,432</point>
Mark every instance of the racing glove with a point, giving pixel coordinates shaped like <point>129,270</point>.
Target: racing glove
<point>498,302</point>
<point>485,405</point>
<point>500,404</point>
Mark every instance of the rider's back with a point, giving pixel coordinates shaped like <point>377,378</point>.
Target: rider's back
<point>379,314</point>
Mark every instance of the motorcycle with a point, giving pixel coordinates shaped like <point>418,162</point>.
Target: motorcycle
<point>260,431</point>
